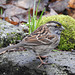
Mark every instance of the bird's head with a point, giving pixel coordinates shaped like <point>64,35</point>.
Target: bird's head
<point>55,27</point>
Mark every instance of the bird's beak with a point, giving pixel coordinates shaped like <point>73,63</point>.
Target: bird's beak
<point>62,28</point>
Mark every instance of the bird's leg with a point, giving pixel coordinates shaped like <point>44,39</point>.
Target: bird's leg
<point>42,57</point>
<point>42,62</point>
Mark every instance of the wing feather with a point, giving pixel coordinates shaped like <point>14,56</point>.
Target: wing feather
<point>41,36</point>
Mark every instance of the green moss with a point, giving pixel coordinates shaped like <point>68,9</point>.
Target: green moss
<point>67,40</point>
<point>6,41</point>
<point>7,34</point>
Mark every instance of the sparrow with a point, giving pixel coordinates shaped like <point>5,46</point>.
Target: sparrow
<point>42,40</point>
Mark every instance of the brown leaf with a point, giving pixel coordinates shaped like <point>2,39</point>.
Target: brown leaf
<point>1,17</point>
<point>54,0</point>
<point>71,12</point>
<point>12,22</point>
<point>71,4</point>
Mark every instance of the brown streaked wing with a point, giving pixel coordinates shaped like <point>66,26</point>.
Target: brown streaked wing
<point>40,36</point>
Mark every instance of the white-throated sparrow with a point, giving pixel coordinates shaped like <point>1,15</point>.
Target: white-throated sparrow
<point>42,40</point>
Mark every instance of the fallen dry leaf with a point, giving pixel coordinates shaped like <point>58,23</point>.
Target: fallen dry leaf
<point>12,22</point>
<point>71,12</point>
<point>54,0</point>
<point>71,4</point>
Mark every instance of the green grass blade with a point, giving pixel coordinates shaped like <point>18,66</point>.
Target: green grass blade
<point>40,17</point>
<point>29,16</point>
<point>37,7</point>
<point>29,24</point>
<point>32,24</point>
<point>34,8</point>
<point>1,11</point>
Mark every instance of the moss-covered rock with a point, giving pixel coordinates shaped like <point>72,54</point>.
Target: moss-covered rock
<point>67,41</point>
<point>9,33</point>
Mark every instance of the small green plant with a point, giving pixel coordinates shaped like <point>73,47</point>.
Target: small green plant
<point>1,11</point>
<point>32,24</point>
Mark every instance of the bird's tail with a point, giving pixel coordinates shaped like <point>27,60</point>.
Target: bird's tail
<point>3,50</point>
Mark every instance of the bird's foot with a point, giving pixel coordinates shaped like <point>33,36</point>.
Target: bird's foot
<point>42,62</point>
